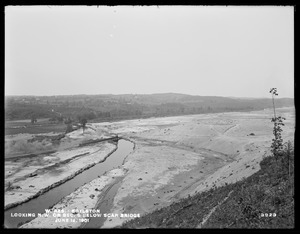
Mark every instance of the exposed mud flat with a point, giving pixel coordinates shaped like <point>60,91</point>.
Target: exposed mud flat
<point>156,173</point>
<point>75,204</point>
<point>28,177</point>
<point>178,156</point>
<point>46,178</point>
<point>183,155</point>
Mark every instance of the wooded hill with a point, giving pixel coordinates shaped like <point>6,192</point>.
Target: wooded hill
<point>127,106</point>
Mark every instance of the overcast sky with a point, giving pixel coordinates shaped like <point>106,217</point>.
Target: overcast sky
<point>209,51</point>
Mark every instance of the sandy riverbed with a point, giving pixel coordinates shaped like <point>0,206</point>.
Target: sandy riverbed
<point>189,154</point>
<point>72,209</point>
<point>178,156</point>
<point>27,177</point>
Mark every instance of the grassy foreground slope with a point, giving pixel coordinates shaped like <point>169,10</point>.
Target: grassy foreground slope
<point>240,205</point>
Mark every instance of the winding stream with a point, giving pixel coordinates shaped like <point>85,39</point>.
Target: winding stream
<point>50,198</point>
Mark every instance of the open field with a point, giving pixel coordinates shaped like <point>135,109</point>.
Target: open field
<point>25,127</point>
<point>179,156</point>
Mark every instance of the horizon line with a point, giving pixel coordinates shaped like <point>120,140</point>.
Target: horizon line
<point>82,94</point>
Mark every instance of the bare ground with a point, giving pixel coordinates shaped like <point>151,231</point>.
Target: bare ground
<point>28,177</point>
<point>178,156</point>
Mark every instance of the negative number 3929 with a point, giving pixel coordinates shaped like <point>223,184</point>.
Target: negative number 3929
<point>268,215</point>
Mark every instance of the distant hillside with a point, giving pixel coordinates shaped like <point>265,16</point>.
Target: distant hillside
<point>126,106</point>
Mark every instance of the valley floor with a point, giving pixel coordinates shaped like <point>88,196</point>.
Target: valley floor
<point>175,157</point>
<point>180,156</point>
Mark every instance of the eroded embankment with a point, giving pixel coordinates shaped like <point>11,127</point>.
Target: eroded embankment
<point>72,207</point>
<point>30,187</point>
<point>52,196</point>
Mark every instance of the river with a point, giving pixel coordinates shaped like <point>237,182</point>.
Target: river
<point>51,197</point>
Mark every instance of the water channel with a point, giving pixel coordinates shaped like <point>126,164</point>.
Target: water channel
<point>50,198</point>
